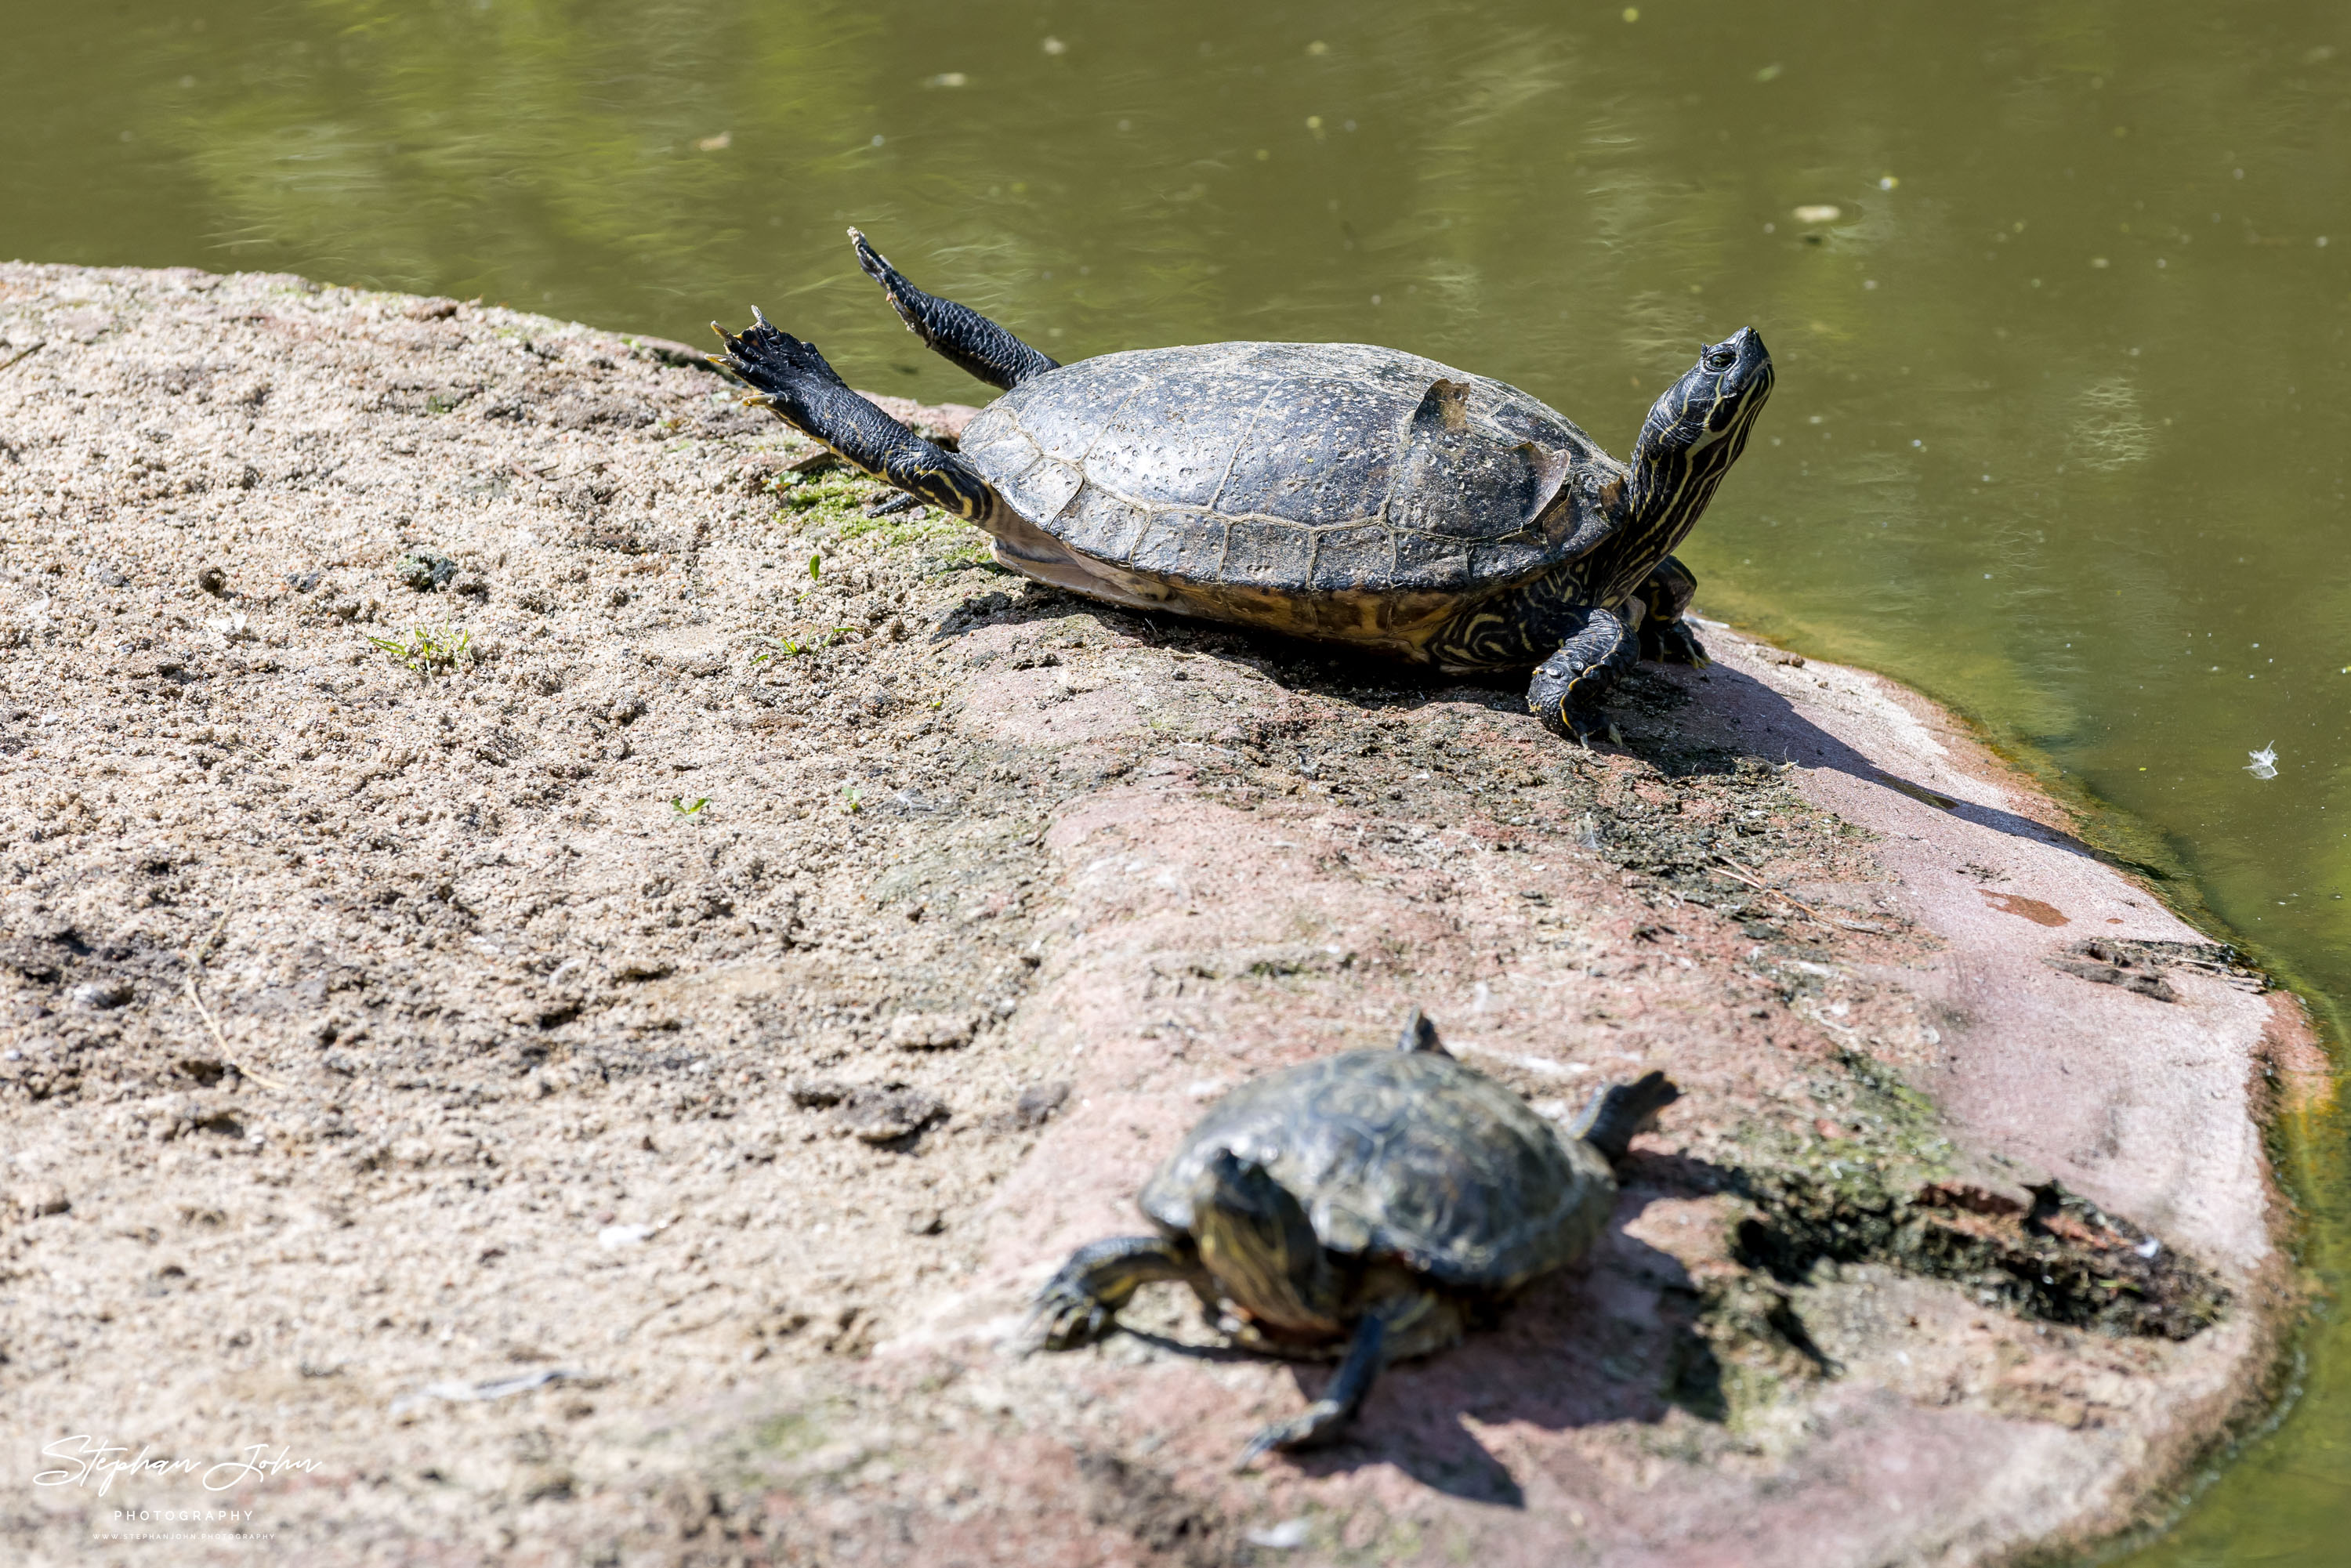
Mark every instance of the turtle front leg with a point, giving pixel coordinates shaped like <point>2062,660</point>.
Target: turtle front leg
<point>1080,1304</point>
<point>1597,648</point>
<point>793,383</point>
<point>1392,1328</point>
<point>1321,1421</point>
<point>1664,595</point>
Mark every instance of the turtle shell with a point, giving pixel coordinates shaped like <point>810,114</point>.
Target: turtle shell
<point>1407,1154</point>
<point>1296,469</point>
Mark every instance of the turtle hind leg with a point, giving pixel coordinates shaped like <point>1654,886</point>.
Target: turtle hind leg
<point>792,381</point>
<point>1619,1113</point>
<point>1080,1304</point>
<point>1664,595</point>
<point>957,332</point>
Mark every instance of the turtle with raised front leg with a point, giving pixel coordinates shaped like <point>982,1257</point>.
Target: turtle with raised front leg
<point>1339,491</point>
<point>1373,1203</point>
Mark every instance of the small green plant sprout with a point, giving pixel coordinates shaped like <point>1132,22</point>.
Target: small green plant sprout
<point>677,803</point>
<point>816,565</point>
<point>779,648</point>
<point>819,637</point>
<point>851,800</point>
<point>424,649</point>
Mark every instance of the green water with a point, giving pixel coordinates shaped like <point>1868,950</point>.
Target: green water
<point>2058,434</point>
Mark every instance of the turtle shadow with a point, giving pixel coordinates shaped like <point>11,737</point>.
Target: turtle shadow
<point>1729,710</point>
<point>1189,1350</point>
<point>1009,599</point>
<point>1685,721</point>
<point>1295,664</point>
<point>1613,1341</point>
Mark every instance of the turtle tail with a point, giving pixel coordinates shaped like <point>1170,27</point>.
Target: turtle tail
<point>1618,1113</point>
<point>1420,1034</point>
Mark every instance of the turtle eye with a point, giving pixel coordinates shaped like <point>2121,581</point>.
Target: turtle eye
<point>1720,358</point>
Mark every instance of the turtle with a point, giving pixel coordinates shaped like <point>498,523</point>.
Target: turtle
<point>1371,1204</point>
<point>1342,492</point>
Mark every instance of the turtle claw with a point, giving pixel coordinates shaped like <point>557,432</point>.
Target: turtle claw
<point>1310,1428</point>
<point>877,265</point>
<point>1065,1317</point>
<point>1600,727</point>
<point>1581,725</point>
<point>1268,1439</point>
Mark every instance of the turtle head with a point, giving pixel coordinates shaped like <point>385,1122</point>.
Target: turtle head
<point>1255,1236</point>
<point>1712,406</point>
<point>1693,435</point>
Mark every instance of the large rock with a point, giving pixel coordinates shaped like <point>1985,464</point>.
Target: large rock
<point>567,983</point>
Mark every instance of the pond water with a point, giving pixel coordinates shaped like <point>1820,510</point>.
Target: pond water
<point>2058,318</point>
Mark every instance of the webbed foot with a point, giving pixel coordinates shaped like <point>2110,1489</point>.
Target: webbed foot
<point>784,372</point>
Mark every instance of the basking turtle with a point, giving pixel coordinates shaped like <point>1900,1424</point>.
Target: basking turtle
<point>1339,491</point>
<point>1378,1200</point>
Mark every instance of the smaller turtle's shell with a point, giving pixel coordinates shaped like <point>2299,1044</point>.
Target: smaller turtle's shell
<point>1407,1154</point>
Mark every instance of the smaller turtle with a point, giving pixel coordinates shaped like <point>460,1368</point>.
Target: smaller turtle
<point>1374,1203</point>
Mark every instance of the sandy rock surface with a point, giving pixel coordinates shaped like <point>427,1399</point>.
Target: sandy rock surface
<point>561,983</point>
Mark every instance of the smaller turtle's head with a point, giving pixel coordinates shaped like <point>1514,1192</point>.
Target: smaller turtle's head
<point>1256,1239</point>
